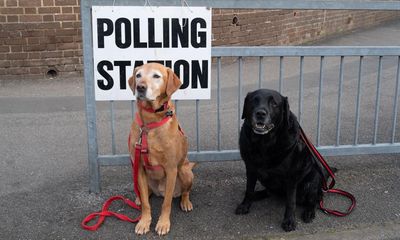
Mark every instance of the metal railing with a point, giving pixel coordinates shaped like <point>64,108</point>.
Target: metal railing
<point>217,151</point>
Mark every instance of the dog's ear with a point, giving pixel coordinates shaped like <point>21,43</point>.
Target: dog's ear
<point>132,83</point>
<point>245,106</point>
<point>286,110</point>
<point>132,80</point>
<point>173,82</point>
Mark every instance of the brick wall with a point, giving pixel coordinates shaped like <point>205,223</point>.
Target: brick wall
<point>289,27</point>
<point>41,37</point>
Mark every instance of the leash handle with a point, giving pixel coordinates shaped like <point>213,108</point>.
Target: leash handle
<point>328,188</point>
<point>336,212</point>
<point>101,215</point>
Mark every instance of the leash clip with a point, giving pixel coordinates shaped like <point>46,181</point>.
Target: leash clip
<point>141,131</point>
<point>139,141</point>
<point>169,113</point>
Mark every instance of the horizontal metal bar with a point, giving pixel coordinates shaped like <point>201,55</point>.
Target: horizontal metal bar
<point>265,4</point>
<point>206,156</point>
<point>273,51</point>
<point>227,155</point>
<point>202,156</point>
<point>360,149</point>
<point>113,160</point>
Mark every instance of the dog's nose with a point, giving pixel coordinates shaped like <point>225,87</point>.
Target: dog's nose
<point>261,114</point>
<point>141,88</point>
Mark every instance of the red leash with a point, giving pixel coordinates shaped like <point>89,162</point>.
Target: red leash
<point>141,150</point>
<point>105,213</point>
<point>101,215</point>
<point>325,187</point>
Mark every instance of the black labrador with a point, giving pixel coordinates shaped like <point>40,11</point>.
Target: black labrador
<point>275,155</point>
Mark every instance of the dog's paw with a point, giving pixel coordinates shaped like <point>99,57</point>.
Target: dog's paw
<point>242,209</point>
<point>186,205</point>
<point>308,215</point>
<point>289,224</point>
<point>143,226</point>
<point>163,226</point>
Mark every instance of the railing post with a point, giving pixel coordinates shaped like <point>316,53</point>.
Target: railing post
<point>94,167</point>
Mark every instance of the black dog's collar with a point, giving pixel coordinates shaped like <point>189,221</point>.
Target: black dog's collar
<point>162,108</point>
<point>151,110</point>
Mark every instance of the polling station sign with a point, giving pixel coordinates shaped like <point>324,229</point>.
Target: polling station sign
<point>125,37</point>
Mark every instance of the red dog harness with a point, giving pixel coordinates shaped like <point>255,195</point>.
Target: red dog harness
<point>325,187</point>
<point>141,150</point>
<point>141,146</point>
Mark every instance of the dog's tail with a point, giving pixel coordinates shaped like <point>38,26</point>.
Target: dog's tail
<point>189,165</point>
<point>192,165</point>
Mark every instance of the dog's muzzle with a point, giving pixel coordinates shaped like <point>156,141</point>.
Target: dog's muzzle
<point>262,122</point>
<point>141,91</point>
<point>262,129</point>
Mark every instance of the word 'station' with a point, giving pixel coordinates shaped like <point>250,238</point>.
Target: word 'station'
<point>127,37</point>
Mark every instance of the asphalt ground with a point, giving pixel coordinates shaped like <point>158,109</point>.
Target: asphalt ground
<point>44,175</point>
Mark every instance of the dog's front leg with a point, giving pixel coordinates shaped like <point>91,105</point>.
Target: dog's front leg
<point>289,221</point>
<point>163,224</point>
<point>143,226</point>
<point>244,207</point>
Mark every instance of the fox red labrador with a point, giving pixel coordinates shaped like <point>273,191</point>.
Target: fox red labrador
<point>166,171</point>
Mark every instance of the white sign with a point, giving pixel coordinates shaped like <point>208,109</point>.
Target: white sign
<point>127,37</point>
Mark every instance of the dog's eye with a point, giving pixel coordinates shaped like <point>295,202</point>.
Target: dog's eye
<point>138,75</point>
<point>156,76</point>
<point>273,104</point>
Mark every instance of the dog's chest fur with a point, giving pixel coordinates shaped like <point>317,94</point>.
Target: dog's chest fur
<point>160,155</point>
<point>263,148</point>
<point>271,158</point>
